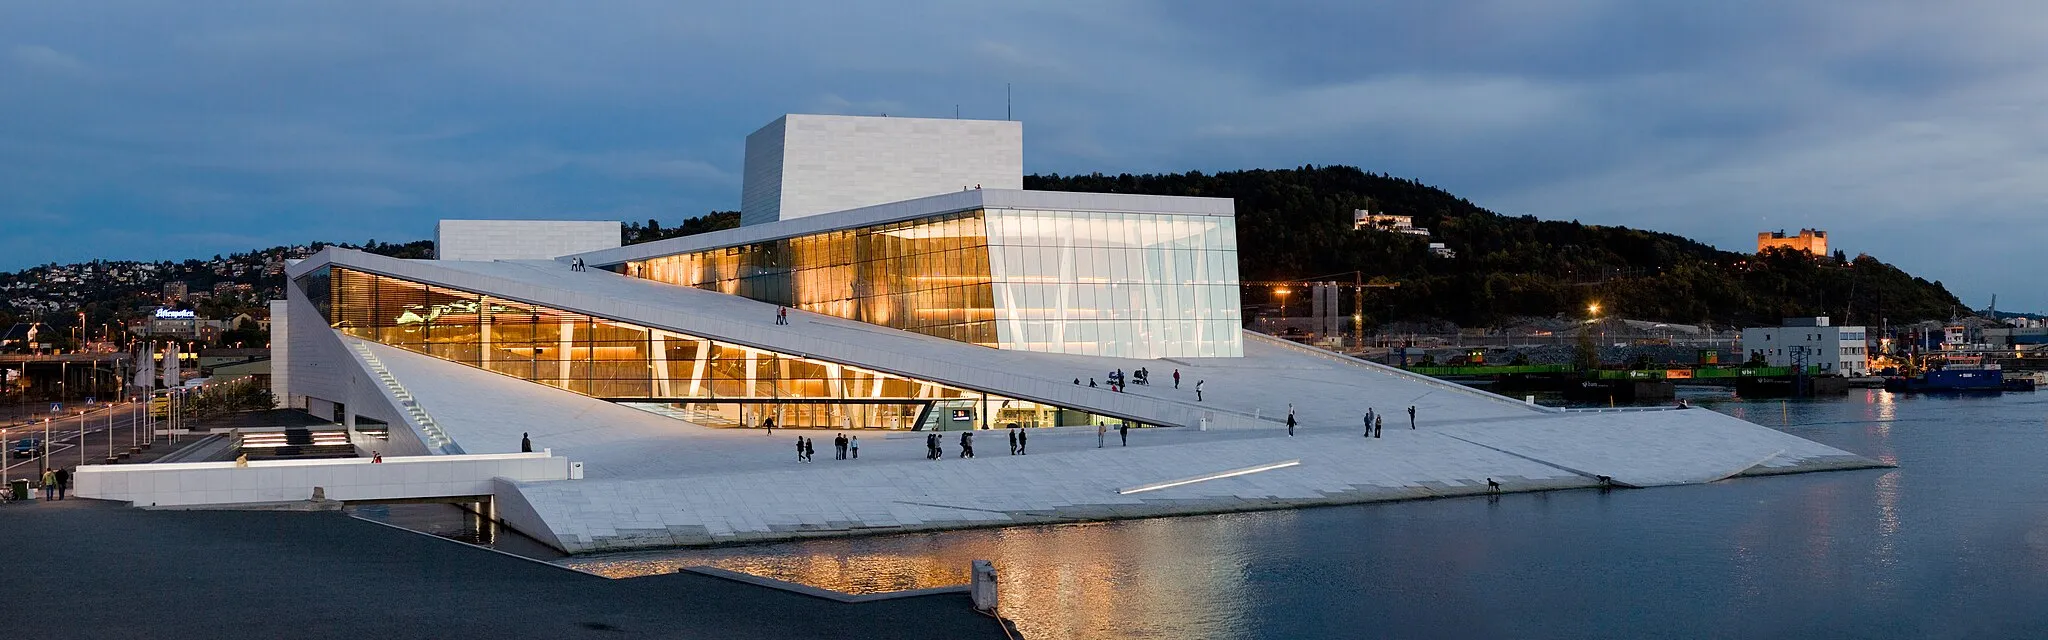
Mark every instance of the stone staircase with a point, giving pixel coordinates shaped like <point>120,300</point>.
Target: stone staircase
<point>436,439</point>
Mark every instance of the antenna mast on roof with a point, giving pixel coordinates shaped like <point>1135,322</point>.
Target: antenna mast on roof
<point>1006,102</point>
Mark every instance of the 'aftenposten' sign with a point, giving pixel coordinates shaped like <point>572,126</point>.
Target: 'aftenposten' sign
<point>167,314</point>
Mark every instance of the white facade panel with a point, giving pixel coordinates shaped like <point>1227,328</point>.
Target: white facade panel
<point>522,239</point>
<point>803,165</point>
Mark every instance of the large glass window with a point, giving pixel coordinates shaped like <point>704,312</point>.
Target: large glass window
<point>705,381</point>
<point>1114,284</point>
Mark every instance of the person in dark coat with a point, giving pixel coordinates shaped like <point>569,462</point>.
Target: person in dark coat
<point>1123,434</point>
<point>1023,441</point>
<point>799,448</point>
<point>63,481</point>
<point>525,443</point>
<point>810,449</point>
<point>1290,422</point>
<point>1379,423</point>
<point>1013,439</point>
<point>1411,416</point>
<point>966,444</point>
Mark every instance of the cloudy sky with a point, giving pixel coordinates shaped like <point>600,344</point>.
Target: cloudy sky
<point>1912,131</point>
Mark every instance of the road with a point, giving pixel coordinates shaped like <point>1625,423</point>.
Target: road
<point>121,419</point>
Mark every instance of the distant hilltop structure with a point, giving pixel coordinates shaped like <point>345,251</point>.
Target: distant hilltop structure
<point>1363,219</point>
<point>1813,241</point>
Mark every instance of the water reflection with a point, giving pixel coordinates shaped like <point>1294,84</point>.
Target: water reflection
<point>1848,554</point>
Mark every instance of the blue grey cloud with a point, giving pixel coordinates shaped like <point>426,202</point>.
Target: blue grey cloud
<point>153,130</point>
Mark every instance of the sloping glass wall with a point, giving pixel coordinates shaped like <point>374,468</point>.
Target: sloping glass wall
<point>702,380</point>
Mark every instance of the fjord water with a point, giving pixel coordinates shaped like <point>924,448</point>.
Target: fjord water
<point>1953,543</point>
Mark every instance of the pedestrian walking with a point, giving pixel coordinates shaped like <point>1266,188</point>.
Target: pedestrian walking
<point>49,485</point>
<point>781,315</point>
<point>1176,378</point>
<point>1411,416</point>
<point>1091,383</point>
<point>1023,442</point>
<point>1101,430</point>
<point>799,448</point>
<point>966,444</point>
<point>1198,390</point>
<point>853,444</point>
<point>1290,420</point>
<point>1368,422</point>
<point>63,481</point>
<point>810,449</point>
<point>1123,433</point>
<point>525,442</point>
<point>1013,439</point>
<point>769,424</point>
<point>1379,423</point>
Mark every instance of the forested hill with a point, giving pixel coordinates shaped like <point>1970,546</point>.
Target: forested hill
<point>1297,223</point>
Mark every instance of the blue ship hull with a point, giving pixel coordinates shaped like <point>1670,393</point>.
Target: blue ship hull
<point>1951,380</point>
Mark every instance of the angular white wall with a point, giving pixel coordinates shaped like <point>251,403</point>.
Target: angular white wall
<point>803,165</point>
<point>521,239</point>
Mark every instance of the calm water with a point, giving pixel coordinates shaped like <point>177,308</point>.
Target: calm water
<point>1953,544</point>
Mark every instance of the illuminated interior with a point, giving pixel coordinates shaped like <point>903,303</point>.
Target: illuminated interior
<point>1138,285</point>
<point>704,381</point>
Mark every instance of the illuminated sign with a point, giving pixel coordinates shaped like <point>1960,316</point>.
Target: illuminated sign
<point>167,314</point>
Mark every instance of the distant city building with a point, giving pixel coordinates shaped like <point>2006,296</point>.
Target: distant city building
<point>226,288</point>
<point>1827,349</point>
<point>178,324</point>
<point>173,292</point>
<point>1812,241</point>
<point>1363,219</point>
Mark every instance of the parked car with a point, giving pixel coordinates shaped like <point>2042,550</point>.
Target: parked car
<point>28,448</point>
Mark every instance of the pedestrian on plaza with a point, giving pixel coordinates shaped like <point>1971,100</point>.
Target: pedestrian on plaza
<point>63,481</point>
<point>966,444</point>
<point>1091,383</point>
<point>376,457</point>
<point>1077,382</point>
<point>49,485</point>
<point>1379,423</point>
<point>1013,439</point>
<point>781,314</point>
<point>769,424</point>
<point>1411,416</point>
<point>1023,441</point>
<point>1198,390</point>
<point>1176,378</point>
<point>1290,420</point>
<point>799,448</point>
<point>1101,431</point>
<point>525,443</point>
<point>839,446</point>
<point>1123,433</point>
<point>853,444</point>
<point>810,449</point>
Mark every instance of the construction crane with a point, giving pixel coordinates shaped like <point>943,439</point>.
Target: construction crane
<point>1358,285</point>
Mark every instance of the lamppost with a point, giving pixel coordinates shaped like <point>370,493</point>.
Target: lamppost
<point>81,437</point>
<point>1282,293</point>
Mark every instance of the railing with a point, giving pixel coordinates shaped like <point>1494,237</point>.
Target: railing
<point>436,438</point>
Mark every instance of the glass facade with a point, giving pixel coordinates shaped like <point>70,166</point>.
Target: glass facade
<point>930,276</point>
<point>1137,285</point>
<point>704,381</point>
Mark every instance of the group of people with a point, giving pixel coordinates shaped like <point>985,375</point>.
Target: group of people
<point>934,446</point>
<point>1140,376</point>
<point>844,447</point>
<point>575,264</point>
<point>1374,421</point>
<point>1123,433</point>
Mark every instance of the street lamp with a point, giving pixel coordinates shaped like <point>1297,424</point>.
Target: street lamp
<point>1282,292</point>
